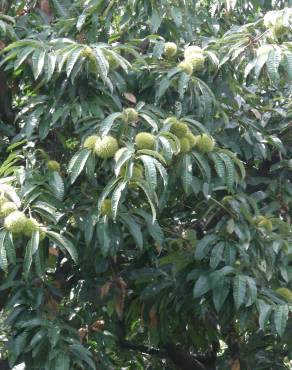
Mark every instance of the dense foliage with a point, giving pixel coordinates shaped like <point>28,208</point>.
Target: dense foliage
<point>145,191</point>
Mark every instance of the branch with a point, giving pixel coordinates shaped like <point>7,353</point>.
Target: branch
<point>140,348</point>
<point>184,360</point>
<point>181,359</point>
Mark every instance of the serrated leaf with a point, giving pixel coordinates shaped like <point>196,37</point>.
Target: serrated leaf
<point>149,120</point>
<point>280,318</point>
<point>251,291</point>
<point>77,164</point>
<point>22,56</point>
<point>11,193</point>
<point>38,61</point>
<point>239,290</point>
<point>216,255</point>
<point>230,170</point>
<point>273,63</point>
<point>72,59</point>
<point>150,171</point>
<point>166,147</point>
<point>219,165</point>
<point>64,244</point>
<point>62,362</point>
<point>287,63</point>
<point>260,62</point>
<point>204,246</point>
<point>183,84</point>
<point>61,8</point>
<point>126,155</point>
<point>3,254</point>
<point>108,122</point>
<point>50,65</point>
<point>161,170</point>
<point>27,259</point>
<point>134,227</point>
<point>57,184</point>
<point>264,310</point>
<point>84,354</point>
<point>102,67</point>
<point>144,186</point>
<point>10,249</point>
<point>220,291</point>
<point>152,153</point>
<point>109,187</point>
<point>203,165</point>
<point>117,193</point>
<point>186,173</point>
<point>163,86</point>
<point>236,160</point>
<point>81,21</point>
<point>153,228</point>
<point>202,286</point>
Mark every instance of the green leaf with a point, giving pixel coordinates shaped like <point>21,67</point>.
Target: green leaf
<point>134,228</point>
<point>251,291</point>
<point>230,170</point>
<point>61,9</point>
<point>27,259</point>
<point>3,254</point>
<point>183,84</point>
<point>202,286</point>
<point>203,246</point>
<point>155,21</point>
<point>152,153</point>
<point>81,21</point>
<point>239,290</point>
<point>108,122</point>
<point>260,62</point>
<point>116,197</point>
<point>217,255</point>
<point>72,59</point>
<point>163,86</point>
<point>220,291</point>
<point>64,244</point>
<point>144,186</point>
<point>38,62</point>
<point>47,210</point>
<point>62,362</point>
<point>11,193</point>
<point>57,184</point>
<point>219,165</point>
<point>203,165</point>
<point>35,239</point>
<point>161,170</point>
<point>280,318</point>
<point>167,149</point>
<point>83,354</point>
<point>149,120</point>
<point>10,249</point>
<point>186,173</point>
<point>102,67</point>
<point>264,310</point>
<point>236,160</point>
<point>150,171</point>
<point>287,63</point>
<point>77,164</point>
<point>126,155</point>
<point>273,65</point>
<point>22,56</point>
<point>50,65</point>
<point>154,229</point>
